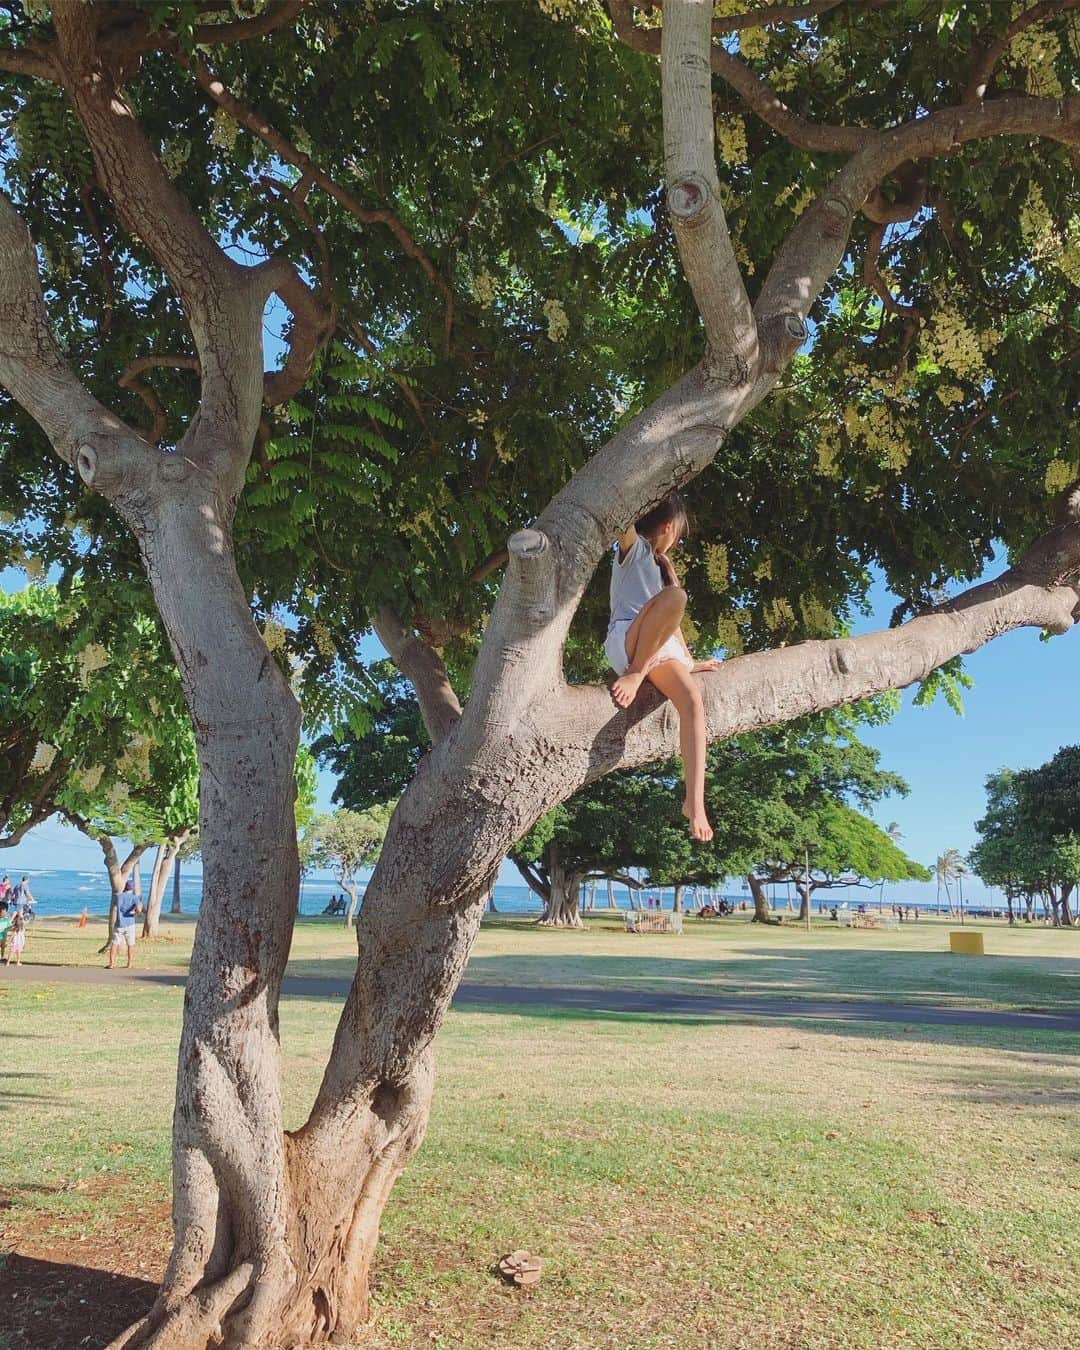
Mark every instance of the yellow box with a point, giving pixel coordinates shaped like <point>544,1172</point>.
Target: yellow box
<point>966,943</point>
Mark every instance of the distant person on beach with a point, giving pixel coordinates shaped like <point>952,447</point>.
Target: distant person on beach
<point>5,928</point>
<point>5,890</point>
<point>16,939</point>
<point>22,898</point>
<point>123,935</point>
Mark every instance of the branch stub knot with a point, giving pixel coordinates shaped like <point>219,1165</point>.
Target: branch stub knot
<point>527,543</point>
<point>688,198</point>
<point>86,464</point>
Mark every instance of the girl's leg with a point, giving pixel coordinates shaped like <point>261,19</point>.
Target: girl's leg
<point>656,622</point>
<point>675,681</point>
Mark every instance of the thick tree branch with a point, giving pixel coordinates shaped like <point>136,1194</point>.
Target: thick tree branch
<point>814,248</point>
<point>767,688</point>
<point>313,323</point>
<point>130,380</point>
<point>693,193</point>
<point>423,667</point>
<point>37,377</point>
<point>35,62</point>
<point>288,153</point>
<point>873,278</point>
<point>755,91</point>
<point>990,50</point>
<point>222,301</point>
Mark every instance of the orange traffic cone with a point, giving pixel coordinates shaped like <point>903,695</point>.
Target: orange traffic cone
<point>82,919</point>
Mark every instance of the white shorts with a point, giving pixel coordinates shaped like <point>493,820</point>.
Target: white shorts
<point>124,936</point>
<point>615,647</point>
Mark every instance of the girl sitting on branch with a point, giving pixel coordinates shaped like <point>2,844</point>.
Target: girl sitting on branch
<point>644,641</point>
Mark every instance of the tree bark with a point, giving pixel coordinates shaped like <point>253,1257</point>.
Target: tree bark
<point>352,889</point>
<point>1063,903</point>
<point>563,904</point>
<point>176,906</point>
<point>762,911</point>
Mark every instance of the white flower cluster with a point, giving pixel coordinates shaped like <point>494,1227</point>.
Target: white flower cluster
<point>828,451</point>
<point>753,43</point>
<point>273,635</point>
<point>716,566</point>
<point>135,761</point>
<point>729,631</point>
<point>92,657</point>
<point>485,288</point>
<point>1059,475</point>
<point>816,617</point>
<point>801,202</point>
<point>225,130</point>
<point>950,343</point>
<point>778,615</point>
<point>558,9</point>
<point>43,757</point>
<point>324,643</point>
<point>558,323</point>
<point>175,155</point>
<point>1044,242</point>
<point>88,779</point>
<point>1036,52</point>
<point>731,138</point>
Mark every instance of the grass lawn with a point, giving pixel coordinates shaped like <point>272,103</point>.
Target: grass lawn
<point>688,1182</point>
<point>1025,966</point>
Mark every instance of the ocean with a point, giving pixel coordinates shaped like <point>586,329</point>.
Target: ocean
<point>58,891</point>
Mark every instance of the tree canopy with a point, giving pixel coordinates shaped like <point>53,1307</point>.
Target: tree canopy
<point>1029,839</point>
<point>494,228</point>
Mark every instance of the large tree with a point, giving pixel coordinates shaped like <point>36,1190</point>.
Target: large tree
<point>949,368</point>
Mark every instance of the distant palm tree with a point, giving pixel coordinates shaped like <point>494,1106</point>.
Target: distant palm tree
<point>894,834</point>
<point>949,867</point>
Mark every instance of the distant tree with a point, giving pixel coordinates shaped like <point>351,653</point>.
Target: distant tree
<point>1029,839</point>
<point>347,841</point>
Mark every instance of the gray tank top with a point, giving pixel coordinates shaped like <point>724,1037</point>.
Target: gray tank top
<point>634,581</point>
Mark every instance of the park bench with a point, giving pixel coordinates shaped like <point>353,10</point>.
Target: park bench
<point>642,921</point>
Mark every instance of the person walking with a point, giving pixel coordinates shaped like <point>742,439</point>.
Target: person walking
<point>123,935</point>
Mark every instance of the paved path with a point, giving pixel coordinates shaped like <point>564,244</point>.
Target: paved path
<point>593,1000</point>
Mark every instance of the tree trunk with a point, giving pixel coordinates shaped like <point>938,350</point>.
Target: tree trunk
<point>492,908</point>
<point>176,909</point>
<point>152,913</point>
<point>804,893</point>
<point>762,912</point>
<point>234,1208</point>
<point>1009,908</point>
<point>352,889</point>
<point>611,902</point>
<point>563,904</point>
<point>1063,903</point>
<point>677,903</point>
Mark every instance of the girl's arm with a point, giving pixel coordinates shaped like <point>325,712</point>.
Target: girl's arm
<point>627,540</point>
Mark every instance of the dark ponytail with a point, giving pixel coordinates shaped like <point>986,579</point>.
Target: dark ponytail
<point>671,508</point>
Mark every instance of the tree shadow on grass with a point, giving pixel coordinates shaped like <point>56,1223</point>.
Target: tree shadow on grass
<point>1025,1041</point>
<point>931,977</point>
<point>48,1304</point>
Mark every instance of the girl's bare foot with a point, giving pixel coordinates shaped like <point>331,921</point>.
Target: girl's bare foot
<point>700,829</point>
<point>624,689</point>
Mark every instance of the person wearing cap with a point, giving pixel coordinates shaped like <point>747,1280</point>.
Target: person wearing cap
<point>123,935</point>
